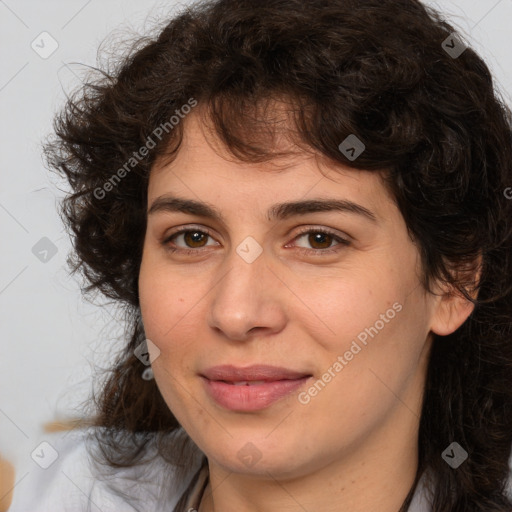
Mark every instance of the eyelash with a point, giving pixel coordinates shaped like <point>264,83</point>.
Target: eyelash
<point>309,252</point>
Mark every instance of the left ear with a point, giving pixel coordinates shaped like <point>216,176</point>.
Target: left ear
<point>451,308</point>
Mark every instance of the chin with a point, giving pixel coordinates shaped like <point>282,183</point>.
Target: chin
<point>259,456</point>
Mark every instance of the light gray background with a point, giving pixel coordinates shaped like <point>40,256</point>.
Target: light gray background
<point>50,337</point>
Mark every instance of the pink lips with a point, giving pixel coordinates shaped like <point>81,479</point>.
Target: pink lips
<point>251,388</point>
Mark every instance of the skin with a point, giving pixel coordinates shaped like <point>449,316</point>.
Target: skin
<point>353,446</point>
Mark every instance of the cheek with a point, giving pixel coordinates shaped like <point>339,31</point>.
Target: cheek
<point>340,309</point>
<point>166,301</point>
<point>170,307</point>
<point>366,326</point>
<point>166,316</point>
<point>365,369</point>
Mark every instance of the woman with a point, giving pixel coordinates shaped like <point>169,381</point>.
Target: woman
<point>303,207</point>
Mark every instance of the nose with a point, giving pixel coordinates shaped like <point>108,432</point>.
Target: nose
<point>248,300</point>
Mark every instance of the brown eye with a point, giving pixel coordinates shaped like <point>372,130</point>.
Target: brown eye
<point>195,238</point>
<point>187,240</point>
<point>319,240</point>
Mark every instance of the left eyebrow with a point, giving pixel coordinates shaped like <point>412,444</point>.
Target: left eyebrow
<point>278,211</point>
<point>286,210</point>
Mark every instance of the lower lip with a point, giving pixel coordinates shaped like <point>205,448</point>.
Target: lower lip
<point>252,397</point>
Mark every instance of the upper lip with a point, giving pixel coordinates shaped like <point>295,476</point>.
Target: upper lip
<point>254,372</point>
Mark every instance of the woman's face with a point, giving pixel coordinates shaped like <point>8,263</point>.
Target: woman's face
<point>264,275</point>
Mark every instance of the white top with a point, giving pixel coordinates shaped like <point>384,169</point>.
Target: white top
<point>71,484</point>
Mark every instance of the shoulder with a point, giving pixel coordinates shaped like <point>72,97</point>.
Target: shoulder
<point>65,477</point>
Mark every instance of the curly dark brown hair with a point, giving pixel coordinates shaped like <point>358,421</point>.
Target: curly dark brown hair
<point>378,69</point>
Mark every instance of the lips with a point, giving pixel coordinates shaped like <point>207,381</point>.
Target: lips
<point>251,374</point>
<point>251,388</point>
<point>245,382</point>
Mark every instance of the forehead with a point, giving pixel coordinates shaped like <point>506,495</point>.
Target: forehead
<point>204,168</point>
